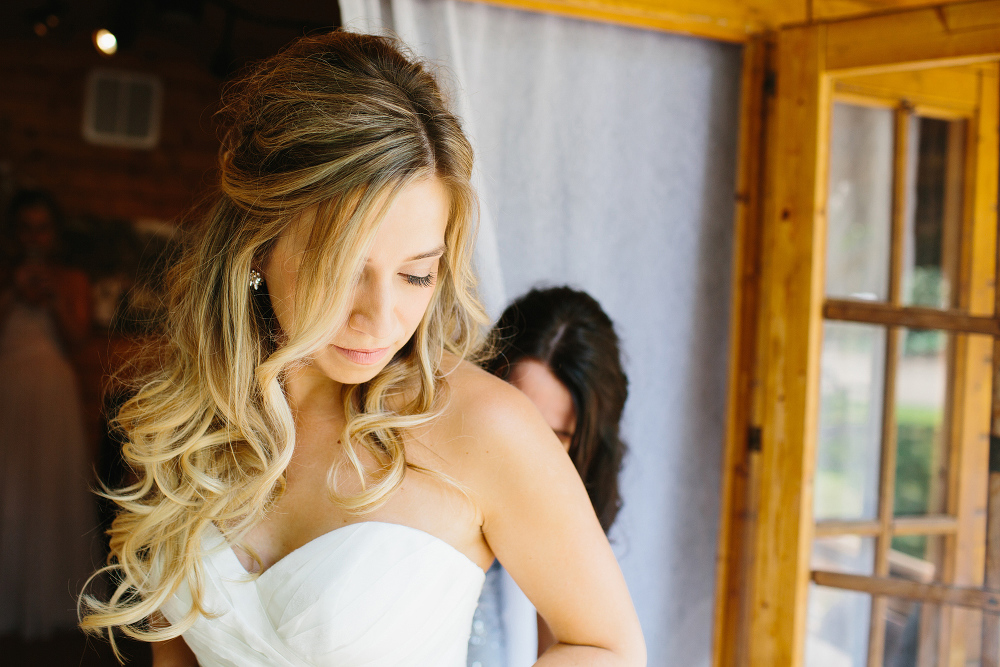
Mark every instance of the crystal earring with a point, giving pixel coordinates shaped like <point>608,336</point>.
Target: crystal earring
<point>255,279</point>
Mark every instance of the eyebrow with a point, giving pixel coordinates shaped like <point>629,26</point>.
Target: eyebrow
<point>432,253</point>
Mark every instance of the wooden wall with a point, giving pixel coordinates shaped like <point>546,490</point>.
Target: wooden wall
<point>41,143</point>
<point>42,84</point>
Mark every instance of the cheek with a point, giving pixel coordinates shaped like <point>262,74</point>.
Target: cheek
<point>411,311</point>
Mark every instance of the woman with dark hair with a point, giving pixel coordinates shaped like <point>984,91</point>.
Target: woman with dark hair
<point>560,349</point>
<point>46,510</point>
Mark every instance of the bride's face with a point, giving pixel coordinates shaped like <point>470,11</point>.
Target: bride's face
<point>392,293</point>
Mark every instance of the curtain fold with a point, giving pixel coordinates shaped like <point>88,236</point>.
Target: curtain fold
<point>432,30</point>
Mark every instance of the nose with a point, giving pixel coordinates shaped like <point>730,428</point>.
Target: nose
<point>372,313</point>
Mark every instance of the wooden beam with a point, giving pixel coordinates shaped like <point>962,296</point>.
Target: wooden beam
<point>873,312</point>
<point>723,20</point>
<point>955,88</point>
<point>953,34</point>
<point>828,10</point>
<point>931,524</point>
<point>836,528</point>
<point>794,215</point>
<point>970,487</point>
<point>887,458</point>
<point>987,177</point>
<point>739,470</point>
<point>973,598</point>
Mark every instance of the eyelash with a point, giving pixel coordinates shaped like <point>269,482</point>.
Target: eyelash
<point>420,281</point>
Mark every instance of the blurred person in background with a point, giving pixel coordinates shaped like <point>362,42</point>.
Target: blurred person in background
<point>46,509</point>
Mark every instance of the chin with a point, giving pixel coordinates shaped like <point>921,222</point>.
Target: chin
<point>345,372</point>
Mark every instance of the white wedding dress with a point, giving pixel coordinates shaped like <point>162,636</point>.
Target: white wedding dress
<point>369,594</point>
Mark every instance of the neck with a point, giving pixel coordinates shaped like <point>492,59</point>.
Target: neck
<point>312,394</point>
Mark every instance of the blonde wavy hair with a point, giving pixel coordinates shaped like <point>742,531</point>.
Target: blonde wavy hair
<point>335,125</point>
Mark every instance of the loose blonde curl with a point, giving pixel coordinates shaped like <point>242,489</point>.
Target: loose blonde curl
<point>336,124</point>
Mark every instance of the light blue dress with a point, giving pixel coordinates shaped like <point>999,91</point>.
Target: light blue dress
<point>487,643</point>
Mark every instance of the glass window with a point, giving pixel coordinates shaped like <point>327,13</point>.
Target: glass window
<point>917,557</point>
<point>921,438</point>
<point>933,217</point>
<point>852,383</point>
<point>837,627</point>
<point>859,204</point>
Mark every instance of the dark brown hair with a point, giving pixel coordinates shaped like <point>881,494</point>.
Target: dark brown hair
<point>567,330</point>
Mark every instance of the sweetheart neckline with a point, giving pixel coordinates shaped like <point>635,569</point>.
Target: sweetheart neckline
<point>321,536</point>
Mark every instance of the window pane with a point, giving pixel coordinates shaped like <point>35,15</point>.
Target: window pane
<point>921,440</point>
<point>837,627</point>
<point>917,557</point>
<point>859,204</point>
<point>850,554</point>
<point>933,212</point>
<point>911,633</point>
<point>850,421</point>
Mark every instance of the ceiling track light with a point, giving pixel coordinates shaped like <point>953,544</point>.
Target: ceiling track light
<point>105,41</point>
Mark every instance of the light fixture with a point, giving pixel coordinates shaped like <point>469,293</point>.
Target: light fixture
<point>105,41</point>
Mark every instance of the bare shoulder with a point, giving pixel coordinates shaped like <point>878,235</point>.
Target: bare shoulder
<point>491,430</point>
<point>483,406</point>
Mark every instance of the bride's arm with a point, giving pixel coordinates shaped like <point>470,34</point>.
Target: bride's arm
<point>539,522</point>
<point>171,652</point>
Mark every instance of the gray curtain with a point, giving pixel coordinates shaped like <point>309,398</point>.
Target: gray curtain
<point>607,160</point>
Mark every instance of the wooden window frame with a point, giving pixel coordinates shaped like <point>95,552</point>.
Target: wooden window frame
<point>966,361</point>
<point>778,309</point>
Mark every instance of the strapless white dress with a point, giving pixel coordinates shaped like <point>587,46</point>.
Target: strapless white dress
<point>369,594</point>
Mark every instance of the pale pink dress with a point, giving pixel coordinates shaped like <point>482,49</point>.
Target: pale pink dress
<point>48,528</point>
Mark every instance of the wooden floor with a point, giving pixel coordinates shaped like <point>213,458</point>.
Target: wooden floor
<point>71,650</point>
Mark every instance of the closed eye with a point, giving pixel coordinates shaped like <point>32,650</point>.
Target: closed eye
<point>420,281</point>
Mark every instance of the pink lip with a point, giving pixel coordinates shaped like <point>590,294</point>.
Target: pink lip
<point>363,357</point>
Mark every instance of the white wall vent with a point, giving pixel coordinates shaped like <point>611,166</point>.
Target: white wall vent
<point>122,109</point>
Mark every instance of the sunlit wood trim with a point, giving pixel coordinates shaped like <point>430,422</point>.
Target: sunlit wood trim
<point>973,598</point>
<point>827,10</point>
<point>939,112</point>
<point>991,622</point>
<point>722,20</point>
<point>864,100</point>
<point>982,193</point>
<point>933,524</point>
<point>887,458</point>
<point>978,265</point>
<point>953,91</point>
<point>987,139</point>
<point>740,465</point>
<point>875,312</point>
<point>953,34</point>
<point>887,101</point>
<point>838,528</point>
<point>795,198</point>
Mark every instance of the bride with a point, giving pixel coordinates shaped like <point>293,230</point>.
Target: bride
<point>323,476</point>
